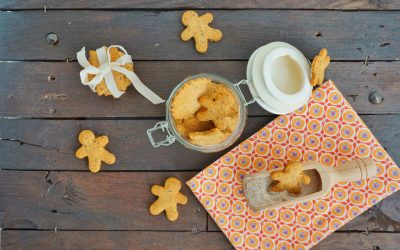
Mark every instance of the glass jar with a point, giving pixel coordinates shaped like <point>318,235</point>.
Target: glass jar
<point>261,86</point>
<point>172,134</point>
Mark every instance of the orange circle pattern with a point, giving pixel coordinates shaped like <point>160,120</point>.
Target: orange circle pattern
<point>335,97</point>
<point>296,138</point>
<point>280,136</point>
<point>262,148</point>
<point>326,130</point>
<point>294,154</point>
<point>333,113</point>
<point>314,126</point>
<point>347,131</point>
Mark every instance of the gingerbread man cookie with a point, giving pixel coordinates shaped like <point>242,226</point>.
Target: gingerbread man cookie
<point>220,106</point>
<point>318,66</point>
<point>220,102</point>
<point>289,179</point>
<point>94,149</point>
<point>197,28</point>
<point>168,198</point>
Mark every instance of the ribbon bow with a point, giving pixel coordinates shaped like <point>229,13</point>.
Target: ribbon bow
<point>104,71</point>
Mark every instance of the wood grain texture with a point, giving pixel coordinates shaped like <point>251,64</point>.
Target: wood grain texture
<point>203,4</point>
<point>35,240</point>
<point>84,201</point>
<point>26,91</point>
<point>383,217</point>
<point>67,207</point>
<point>38,240</point>
<point>154,35</point>
<point>51,144</point>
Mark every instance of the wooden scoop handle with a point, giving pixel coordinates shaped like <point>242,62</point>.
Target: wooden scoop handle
<point>359,169</point>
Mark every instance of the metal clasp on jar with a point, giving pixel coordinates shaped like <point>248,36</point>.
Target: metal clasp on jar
<point>244,81</point>
<point>169,139</point>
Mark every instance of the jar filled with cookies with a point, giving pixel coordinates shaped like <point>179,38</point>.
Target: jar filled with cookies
<point>208,113</point>
<point>204,112</point>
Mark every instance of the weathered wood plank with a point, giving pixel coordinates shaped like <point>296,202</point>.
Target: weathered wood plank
<point>50,144</point>
<point>171,240</point>
<point>154,35</point>
<point>203,4</point>
<point>53,144</point>
<point>32,94</point>
<point>383,217</point>
<point>83,201</point>
<point>37,240</point>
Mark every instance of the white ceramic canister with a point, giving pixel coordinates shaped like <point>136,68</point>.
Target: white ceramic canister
<point>278,76</point>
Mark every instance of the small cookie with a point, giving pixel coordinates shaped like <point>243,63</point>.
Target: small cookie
<point>197,28</point>
<point>318,66</point>
<point>226,123</point>
<point>208,137</point>
<point>219,102</point>
<point>121,80</point>
<point>168,198</point>
<point>192,124</point>
<point>185,102</point>
<point>220,106</point>
<point>289,179</point>
<point>94,149</point>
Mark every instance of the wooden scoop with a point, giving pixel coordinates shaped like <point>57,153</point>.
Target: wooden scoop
<point>322,179</point>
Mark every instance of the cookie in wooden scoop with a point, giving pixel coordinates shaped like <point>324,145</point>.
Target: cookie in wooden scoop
<point>290,179</point>
<point>321,179</point>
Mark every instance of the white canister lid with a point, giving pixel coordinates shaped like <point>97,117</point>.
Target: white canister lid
<point>259,78</point>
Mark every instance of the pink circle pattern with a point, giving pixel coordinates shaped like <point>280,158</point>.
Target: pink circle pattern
<point>324,214</point>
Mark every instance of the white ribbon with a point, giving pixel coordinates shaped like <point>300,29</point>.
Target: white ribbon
<point>104,71</point>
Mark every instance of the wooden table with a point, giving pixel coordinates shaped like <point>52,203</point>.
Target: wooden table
<point>49,200</point>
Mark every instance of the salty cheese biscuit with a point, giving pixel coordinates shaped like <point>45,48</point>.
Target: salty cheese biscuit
<point>185,102</point>
<point>318,66</point>
<point>168,198</point>
<point>289,179</point>
<point>197,28</point>
<point>94,149</point>
<point>208,137</point>
<point>226,122</point>
<point>192,124</point>
<point>220,101</point>
<point>120,79</point>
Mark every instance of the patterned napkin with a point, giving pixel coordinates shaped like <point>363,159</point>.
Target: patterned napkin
<point>327,130</point>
